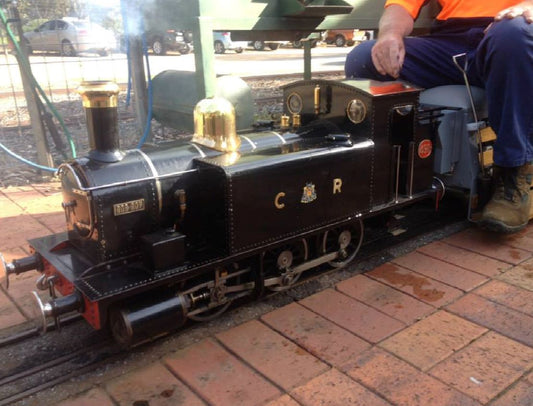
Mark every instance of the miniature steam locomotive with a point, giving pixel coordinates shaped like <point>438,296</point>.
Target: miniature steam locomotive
<point>159,235</point>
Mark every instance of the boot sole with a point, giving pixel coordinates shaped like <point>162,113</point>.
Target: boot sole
<point>499,227</point>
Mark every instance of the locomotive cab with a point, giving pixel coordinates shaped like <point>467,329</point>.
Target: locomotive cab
<point>386,113</point>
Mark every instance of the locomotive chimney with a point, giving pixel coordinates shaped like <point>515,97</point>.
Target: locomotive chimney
<point>100,100</point>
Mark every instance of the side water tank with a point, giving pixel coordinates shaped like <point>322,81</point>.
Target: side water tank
<point>175,96</point>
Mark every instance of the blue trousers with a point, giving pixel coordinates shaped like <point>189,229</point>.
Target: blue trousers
<point>499,60</point>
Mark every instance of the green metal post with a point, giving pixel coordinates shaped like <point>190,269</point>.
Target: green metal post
<point>307,59</point>
<point>204,57</point>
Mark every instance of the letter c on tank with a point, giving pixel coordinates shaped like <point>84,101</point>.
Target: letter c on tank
<point>277,202</point>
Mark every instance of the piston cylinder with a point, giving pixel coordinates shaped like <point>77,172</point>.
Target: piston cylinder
<point>100,100</point>
<point>145,319</point>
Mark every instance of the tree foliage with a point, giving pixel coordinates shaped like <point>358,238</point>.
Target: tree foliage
<point>30,10</point>
<point>34,12</point>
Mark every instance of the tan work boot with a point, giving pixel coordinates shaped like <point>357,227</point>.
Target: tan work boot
<point>508,210</point>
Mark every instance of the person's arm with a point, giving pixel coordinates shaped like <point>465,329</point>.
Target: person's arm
<point>524,8</point>
<point>388,53</point>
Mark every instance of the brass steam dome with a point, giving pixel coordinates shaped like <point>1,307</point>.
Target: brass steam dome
<point>214,125</point>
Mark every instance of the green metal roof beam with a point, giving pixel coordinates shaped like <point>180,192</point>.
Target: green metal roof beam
<point>241,14</point>
<point>314,8</point>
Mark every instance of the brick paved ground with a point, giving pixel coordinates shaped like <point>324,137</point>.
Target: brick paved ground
<point>448,324</point>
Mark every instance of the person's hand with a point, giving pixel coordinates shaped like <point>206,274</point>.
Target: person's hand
<point>388,54</point>
<point>524,9</point>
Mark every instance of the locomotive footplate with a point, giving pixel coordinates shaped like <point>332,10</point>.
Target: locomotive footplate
<point>115,277</point>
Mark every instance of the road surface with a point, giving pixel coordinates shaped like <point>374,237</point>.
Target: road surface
<point>53,71</point>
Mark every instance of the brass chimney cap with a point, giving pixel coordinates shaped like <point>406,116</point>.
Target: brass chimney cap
<point>99,93</point>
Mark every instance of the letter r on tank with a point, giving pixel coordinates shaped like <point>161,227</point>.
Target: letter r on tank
<point>337,183</point>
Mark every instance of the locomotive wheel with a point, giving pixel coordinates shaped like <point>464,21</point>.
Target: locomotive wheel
<point>210,314</point>
<point>346,240</point>
<point>280,261</point>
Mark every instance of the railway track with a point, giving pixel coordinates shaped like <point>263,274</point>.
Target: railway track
<point>30,381</point>
<point>35,363</point>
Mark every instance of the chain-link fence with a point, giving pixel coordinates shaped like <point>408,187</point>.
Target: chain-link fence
<point>53,78</point>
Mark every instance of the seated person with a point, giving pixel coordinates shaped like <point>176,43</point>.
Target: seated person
<point>497,38</point>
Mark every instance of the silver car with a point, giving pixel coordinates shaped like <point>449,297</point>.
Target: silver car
<point>223,43</point>
<point>70,37</point>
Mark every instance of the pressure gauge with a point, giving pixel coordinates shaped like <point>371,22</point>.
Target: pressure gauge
<point>294,103</point>
<point>356,111</point>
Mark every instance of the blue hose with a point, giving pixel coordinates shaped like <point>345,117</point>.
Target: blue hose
<point>11,153</point>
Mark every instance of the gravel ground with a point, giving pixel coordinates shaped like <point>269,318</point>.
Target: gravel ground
<point>16,134</point>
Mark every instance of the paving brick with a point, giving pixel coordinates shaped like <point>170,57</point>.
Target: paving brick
<point>21,229</point>
<point>521,275</point>
<point>508,295</point>
<point>8,208</point>
<point>9,314</point>
<point>316,334</point>
<point>284,400</point>
<point>352,315</point>
<point>433,339</point>
<point>497,317</point>
<point>20,288</point>
<point>385,299</point>
<point>277,358</point>
<point>441,271</point>
<point>13,253</point>
<point>336,389</point>
<point>220,377</point>
<point>486,367</point>
<point>402,384</point>
<point>42,204</point>
<point>420,286</point>
<point>529,230</point>
<point>22,196</point>
<point>93,397</point>
<point>464,258</point>
<point>490,244</point>
<point>48,188</point>
<point>520,394</point>
<point>520,240</point>
<point>154,385</point>
<point>54,222</point>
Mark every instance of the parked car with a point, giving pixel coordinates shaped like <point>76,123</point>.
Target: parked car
<point>69,37</point>
<point>345,37</point>
<point>169,40</point>
<point>223,42</point>
<point>300,43</point>
<point>314,38</point>
<point>260,45</point>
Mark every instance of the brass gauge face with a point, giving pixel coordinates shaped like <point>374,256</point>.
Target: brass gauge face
<point>356,111</point>
<point>294,103</point>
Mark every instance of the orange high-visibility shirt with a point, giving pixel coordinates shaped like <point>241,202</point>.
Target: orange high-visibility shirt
<point>458,8</point>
